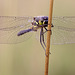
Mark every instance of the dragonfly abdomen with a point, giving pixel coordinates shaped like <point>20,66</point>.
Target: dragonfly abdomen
<point>23,32</point>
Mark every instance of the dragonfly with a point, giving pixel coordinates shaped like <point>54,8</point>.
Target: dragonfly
<point>18,29</point>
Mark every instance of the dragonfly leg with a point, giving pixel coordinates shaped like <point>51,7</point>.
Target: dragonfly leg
<point>42,40</point>
<point>43,37</point>
<point>52,25</point>
<point>47,30</point>
<point>41,32</point>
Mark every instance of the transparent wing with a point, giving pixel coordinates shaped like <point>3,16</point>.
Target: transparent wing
<point>10,26</point>
<point>63,31</point>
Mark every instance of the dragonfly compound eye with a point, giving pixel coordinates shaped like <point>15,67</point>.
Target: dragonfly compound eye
<point>45,22</point>
<point>45,17</point>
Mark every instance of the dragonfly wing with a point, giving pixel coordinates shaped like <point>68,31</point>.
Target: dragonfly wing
<point>63,31</point>
<point>11,26</point>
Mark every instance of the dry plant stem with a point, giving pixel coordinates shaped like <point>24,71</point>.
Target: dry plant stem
<point>48,38</point>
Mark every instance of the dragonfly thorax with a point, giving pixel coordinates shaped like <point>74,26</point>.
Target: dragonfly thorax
<point>40,21</point>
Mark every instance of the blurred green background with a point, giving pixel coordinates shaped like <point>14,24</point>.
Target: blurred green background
<point>28,58</point>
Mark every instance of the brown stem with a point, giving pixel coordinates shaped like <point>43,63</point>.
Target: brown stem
<point>48,38</point>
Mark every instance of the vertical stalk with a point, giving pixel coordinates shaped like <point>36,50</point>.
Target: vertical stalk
<point>48,38</point>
